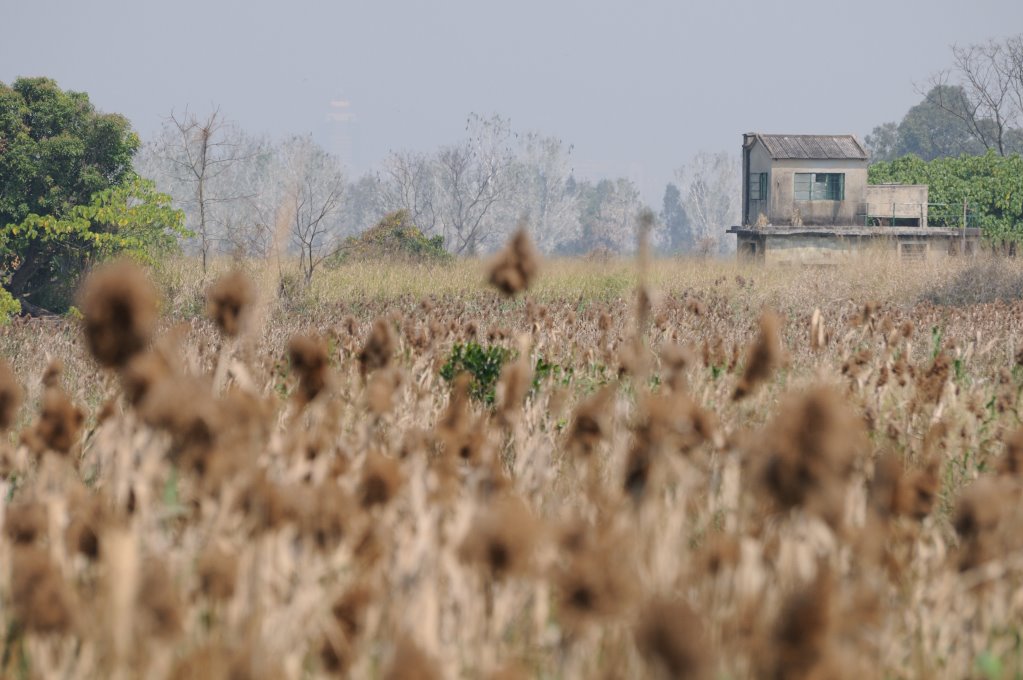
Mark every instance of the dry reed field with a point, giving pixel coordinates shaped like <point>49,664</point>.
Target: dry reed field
<point>518,469</point>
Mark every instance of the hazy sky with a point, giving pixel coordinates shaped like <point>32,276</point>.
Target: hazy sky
<point>637,87</point>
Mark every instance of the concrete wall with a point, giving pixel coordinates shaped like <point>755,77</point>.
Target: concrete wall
<point>807,250</point>
<point>817,250</point>
<point>899,201</point>
<point>750,248</point>
<point>782,192</point>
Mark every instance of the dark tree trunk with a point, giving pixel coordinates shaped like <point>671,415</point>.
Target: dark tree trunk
<point>21,279</point>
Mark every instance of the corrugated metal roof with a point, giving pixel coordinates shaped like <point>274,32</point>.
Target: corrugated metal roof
<point>814,147</point>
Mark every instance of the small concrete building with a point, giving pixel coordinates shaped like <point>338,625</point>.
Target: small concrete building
<point>805,198</point>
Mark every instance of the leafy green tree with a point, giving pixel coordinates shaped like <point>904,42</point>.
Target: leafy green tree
<point>971,107</point>
<point>883,142</point>
<point>991,185</point>
<point>931,129</point>
<point>678,231</point>
<point>934,129</point>
<point>607,212</point>
<point>68,194</point>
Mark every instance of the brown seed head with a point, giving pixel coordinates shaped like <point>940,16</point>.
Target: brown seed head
<point>987,519</point>
<point>142,372</point>
<point>40,598</point>
<point>866,315</point>
<point>218,573</point>
<point>379,347</point>
<point>308,355</point>
<point>53,373</point>
<point>381,389</point>
<point>931,384</point>
<point>88,515</point>
<point>348,616</point>
<point>676,359</point>
<point>25,522</point>
<point>719,552</point>
<point>184,407</point>
<point>597,583</point>
<point>764,356</point>
<point>119,307</point>
<point>10,396</point>
<point>590,424</point>
<point>516,380</point>
<point>897,492</point>
<point>671,639</point>
<point>327,515</point>
<point>503,538</point>
<point>229,302</point>
<point>461,435</point>
<point>807,453</point>
<point>350,610</point>
<point>59,422</point>
<point>801,637</point>
<point>267,505</point>
<point>381,479</point>
<point>158,602</point>
<point>514,268</point>
<point>1011,463</point>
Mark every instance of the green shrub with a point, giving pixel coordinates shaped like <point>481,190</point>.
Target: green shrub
<point>394,237</point>
<point>9,307</point>
<point>482,363</point>
<point>545,370</point>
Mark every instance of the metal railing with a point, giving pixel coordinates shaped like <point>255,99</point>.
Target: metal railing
<point>940,215</point>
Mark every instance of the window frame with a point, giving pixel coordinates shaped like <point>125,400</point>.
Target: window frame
<point>833,186</point>
<point>759,186</point>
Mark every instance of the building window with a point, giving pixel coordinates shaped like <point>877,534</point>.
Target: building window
<point>819,186</point>
<point>758,186</point>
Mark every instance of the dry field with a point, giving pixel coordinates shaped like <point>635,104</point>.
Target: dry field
<point>735,472</point>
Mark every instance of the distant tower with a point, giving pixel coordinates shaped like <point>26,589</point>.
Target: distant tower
<point>341,124</point>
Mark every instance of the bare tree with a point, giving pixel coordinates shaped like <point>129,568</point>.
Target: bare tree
<point>200,150</point>
<point>609,214</point>
<point>246,184</point>
<point>260,224</point>
<point>409,184</point>
<point>221,190</point>
<point>472,180</point>
<point>314,189</point>
<point>984,91</point>
<point>365,204</point>
<point>542,172</point>
<point>710,188</point>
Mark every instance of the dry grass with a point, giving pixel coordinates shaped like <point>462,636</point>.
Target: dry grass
<point>305,496</point>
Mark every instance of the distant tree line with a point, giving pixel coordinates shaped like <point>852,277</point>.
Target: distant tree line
<point>974,106</point>
<point>77,186</point>
<point>69,195</point>
<point>253,196</point>
<point>964,140</point>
